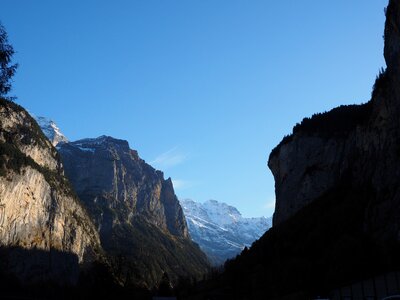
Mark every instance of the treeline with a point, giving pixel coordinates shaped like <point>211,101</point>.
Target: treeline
<point>340,120</point>
<point>337,122</point>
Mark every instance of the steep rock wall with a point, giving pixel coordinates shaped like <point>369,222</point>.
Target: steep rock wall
<point>141,223</point>
<point>355,145</point>
<point>38,209</point>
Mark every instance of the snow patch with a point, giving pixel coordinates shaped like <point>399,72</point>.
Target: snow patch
<point>220,229</point>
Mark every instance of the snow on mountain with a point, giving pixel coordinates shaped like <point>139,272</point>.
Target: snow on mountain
<point>51,131</point>
<point>220,230</point>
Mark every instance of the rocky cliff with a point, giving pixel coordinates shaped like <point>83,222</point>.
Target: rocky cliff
<point>38,210</point>
<point>141,223</point>
<point>338,200</point>
<point>350,145</point>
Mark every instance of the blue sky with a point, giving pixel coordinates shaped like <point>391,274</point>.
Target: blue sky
<point>203,89</point>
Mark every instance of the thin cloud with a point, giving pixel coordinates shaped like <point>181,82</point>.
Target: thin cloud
<point>169,159</point>
<point>181,184</point>
<point>178,184</point>
<point>270,204</point>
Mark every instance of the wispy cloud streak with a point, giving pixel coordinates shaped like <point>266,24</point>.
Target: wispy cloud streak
<point>180,184</point>
<point>169,159</point>
<point>270,204</point>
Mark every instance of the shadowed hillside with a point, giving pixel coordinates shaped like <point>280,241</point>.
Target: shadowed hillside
<point>337,200</point>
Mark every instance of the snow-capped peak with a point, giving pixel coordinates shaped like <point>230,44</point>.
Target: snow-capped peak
<point>220,229</point>
<point>51,130</point>
<point>222,213</point>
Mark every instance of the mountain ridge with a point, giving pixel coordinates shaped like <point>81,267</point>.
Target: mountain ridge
<point>220,230</point>
<point>51,130</point>
<point>141,223</point>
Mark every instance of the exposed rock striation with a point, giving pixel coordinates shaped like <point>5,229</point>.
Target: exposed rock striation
<point>38,210</point>
<point>141,223</point>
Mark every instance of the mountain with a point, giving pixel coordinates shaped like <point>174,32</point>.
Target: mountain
<point>45,234</point>
<point>51,131</point>
<point>220,230</point>
<point>336,224</point>
<point>141,223</point>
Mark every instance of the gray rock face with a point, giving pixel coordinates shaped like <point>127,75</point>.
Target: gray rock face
<point>106,172</point>
<point>38,211</point>
<point>220,230</point>
<point>132,204</point>
<point>355,146</point>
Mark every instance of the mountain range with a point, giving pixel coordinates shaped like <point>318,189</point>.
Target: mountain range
<point>220,229</point>
<point>88,218</point>
<point>135,210</point>
<point>65,211</point>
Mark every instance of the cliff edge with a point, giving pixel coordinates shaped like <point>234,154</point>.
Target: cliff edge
<point>336,224</point>
<point>356,146</point>
<point>137,214</point>
<point>39,212</point>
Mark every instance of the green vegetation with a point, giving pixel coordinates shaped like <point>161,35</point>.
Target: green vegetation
<point>7,70</point>
<point>140,253</point>
<point>10,106</point>
<point>28,133</point>
<point>12,159</point>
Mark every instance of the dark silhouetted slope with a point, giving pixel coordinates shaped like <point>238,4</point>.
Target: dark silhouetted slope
<point>337,199</point>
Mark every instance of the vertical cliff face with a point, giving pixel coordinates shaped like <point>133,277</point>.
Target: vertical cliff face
<point>392,37</point>
<point>354,145</point>
<point>346,162</point>
<point>337,180</point>
<point>324,152</point>
<point>136,211</point>
<point>107,173</point>
<point>38,210</point>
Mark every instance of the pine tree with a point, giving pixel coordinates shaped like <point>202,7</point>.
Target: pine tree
<point>7,70</point>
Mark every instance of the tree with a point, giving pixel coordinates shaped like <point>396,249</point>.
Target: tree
<point>7,70</point>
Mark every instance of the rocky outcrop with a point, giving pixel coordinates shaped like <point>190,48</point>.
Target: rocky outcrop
<point>107,173</point>
<point>352,145</point>
<point>38,210</point>
<point>140,220</point>
<point>319,156</point>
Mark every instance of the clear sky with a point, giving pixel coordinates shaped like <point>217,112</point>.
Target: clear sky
<point>203,89</point>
